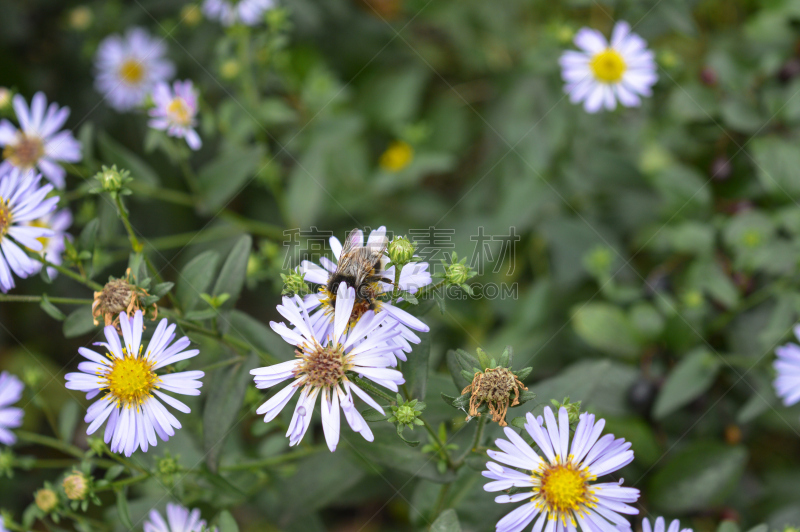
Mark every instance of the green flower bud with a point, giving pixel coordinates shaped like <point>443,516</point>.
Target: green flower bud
<point>458,273</point>
<point>46,500</point>
<point>294,283</point>
<point>167,465</point>
<point>112,180</point>
<point>401,251</point>
<point>573,409</point>
<point>405,415</point>
<point>76,486</point>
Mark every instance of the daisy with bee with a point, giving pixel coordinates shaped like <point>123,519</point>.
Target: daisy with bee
<point>362,265</point>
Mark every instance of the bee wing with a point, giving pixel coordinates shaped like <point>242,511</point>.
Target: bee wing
<point>348,255</point>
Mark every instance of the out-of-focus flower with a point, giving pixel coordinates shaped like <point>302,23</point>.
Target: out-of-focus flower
<point>57,222</point>
<point>397,156</point>
<point>22,200</point>
<point>38,143</point>
<point>412,277</point>
<point>179,519</point>
<point>191,15</point>
<point>660,526</point>
<point>787,367</point>
<point>10,417</point>
<point>80,18</point>
<point>557,486</point>
<point>136,417</point>
<point>321,367</point>
<point>603,72</point>
<point>5,98</point>
<point>76,486</point>
<point>46,500</point>
<point>128,67</point>
<point>230,12</point>
<point>175,110</point>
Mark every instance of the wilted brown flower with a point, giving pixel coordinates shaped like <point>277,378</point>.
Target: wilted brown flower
<point>494,387</point>
<point>119,295</point>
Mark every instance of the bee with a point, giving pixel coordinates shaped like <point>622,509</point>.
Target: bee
<point>361,267</point>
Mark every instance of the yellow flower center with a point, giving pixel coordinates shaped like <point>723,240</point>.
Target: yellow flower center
<point>26,152</point>
<point>42,239</point>
<point>131,380</point>
<point>131,72</point>
<point>179,112</point>
<point>322,367</point>
<point>608,66</point>
<point>5,217</point>
<point>564,489</point>
<point>397,156</point>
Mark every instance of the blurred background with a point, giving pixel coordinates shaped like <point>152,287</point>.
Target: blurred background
<point>645,259</point>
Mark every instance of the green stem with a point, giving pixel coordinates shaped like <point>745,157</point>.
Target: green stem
<point>65,271</point>
<point>248,82</point>
<point>439,506</point>
<point>164,194</point>
<point>396,288</point>
<point>361,383</point>
<point>440,443</point>
<point>423,292</point>
<point>476,441</point>
<point>61,463</point>
<point>123,214</point>
<point>11,298</point>
<point>190,176</point>
<point>222,364</point>
<point>273,460</point>
<point>47,441</point>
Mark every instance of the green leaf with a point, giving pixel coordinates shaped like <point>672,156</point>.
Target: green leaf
<point>777,161</point>
<point>461,402</point>
<point>123,511</point>
<point>387,450</point>
<point>607,328</point>
<point>446,522</point>
<point>690,378</point>
<point>458,362</point>
<point>699,476</point>
<point>224,398</point>
<point>195,279</point>
<point>114,153</point>
<point>259,336</point>
<point>228,175</point>
<point>234,271</point>
<point>580,381</point>
<point>226,522</point>
<point>88,236</point>
<point>68,420</point>
<point>51,310</point>
<point>415,369</point>
<point>79,322</point>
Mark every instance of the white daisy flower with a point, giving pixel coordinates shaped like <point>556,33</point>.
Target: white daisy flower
<point>559,485</point>
<point>413,276</point>
<point>22,200</point>
<point>229,12</point>
<point>787,367</point>
<point>127,68</point>
<point>131,403</point>
<point>602,72</point>
<point>322,364</point>
<point>57,222</point>
<point>39,143</point>
<point>660,526</point>
<point>175,110</point>
<point>10,417</point>
<point>179,519</point>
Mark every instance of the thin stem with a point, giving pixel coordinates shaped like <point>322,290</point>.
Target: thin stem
<point>47,441</point>
<point>476,441</point>
<point>222,364</point>
<point>273,460</point>
<point>164,194</point>
<point>66,271</point>
<point>123,214</point>
<point>423,292</point>
<point>440,443</point>
<point>11,298</point>
<point>439,506</point>
<point>396,289</point>
<point>372,389</point>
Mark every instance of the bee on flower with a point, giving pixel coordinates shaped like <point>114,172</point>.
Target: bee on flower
<point>604,72</point>
<point>322,364</point>
<point>175,111</point>
<point>362,266</point>
<point>134,391</point>
<point>128,68</point>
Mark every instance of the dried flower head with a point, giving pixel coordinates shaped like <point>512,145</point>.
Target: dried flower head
<point>494,387</point>
<point>119,295</point>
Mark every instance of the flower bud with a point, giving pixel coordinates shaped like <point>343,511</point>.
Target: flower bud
<point>5,98</point>
<point>76,486</point>
<point>401,251</point>
<point>573,409</point>
<point>46,500</point>
<point>397,156</point>
<point>168,465</point>
<point>294,283</point>
<point>190,15</point>
<point>458,273</point>
<point>112,180</point>
<point>80,18</point>
<point>406,413</point>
